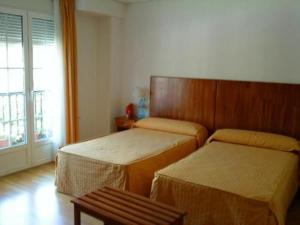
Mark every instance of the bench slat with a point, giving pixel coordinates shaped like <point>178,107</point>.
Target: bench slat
<point>136,211</point>
<point>142,198</point>
<point>142,203</point>
<point>105,213</point>
<point>116,211</point>
<point>136,206</point>
<point>123,207</point>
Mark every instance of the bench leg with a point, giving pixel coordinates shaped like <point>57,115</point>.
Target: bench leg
<point>77,219</point>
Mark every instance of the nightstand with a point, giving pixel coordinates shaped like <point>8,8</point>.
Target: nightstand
<point>123,123</point>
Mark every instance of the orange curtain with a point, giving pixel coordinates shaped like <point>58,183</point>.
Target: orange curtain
<point>70,60</point>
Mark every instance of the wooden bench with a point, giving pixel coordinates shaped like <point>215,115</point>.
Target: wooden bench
<point>114,206</point>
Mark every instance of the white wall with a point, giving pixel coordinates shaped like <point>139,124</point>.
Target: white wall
<point>115,71</point>
<point>40,6</point>
<point>98,73</point>
<point>233,39</point>
<point>91,76</point>
<point>101,7</point>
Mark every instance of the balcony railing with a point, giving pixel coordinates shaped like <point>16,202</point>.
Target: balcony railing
<point>41,131</point>
<point>13,118</point>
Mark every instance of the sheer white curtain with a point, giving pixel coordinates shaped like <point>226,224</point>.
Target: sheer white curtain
<point>58,84</point>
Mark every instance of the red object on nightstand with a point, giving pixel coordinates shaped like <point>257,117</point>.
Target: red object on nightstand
<point>130,111</point>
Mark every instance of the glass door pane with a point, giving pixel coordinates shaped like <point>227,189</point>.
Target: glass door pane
<point>43,53</point>
<point>12,82</point>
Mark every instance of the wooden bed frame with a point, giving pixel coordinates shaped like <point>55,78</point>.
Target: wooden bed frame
<point>269,107</point>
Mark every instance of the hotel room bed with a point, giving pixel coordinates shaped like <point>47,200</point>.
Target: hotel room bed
<point>239,177</point>
<point>128,159</point>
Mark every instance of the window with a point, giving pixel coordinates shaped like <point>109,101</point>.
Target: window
<point>25,68</point>
<point>12,86</point>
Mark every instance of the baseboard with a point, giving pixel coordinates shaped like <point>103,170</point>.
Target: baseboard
<point>41,162</point>
<point>18,169</point>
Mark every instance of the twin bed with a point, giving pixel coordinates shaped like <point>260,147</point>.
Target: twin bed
<point>128,159</point>
<point>237,177</point>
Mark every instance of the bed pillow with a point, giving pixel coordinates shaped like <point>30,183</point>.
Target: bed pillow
<point>257,139</point>
<point>175,126</point>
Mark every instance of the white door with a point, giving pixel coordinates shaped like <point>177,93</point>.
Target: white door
<point>26,48</point>
<point>41,64</point>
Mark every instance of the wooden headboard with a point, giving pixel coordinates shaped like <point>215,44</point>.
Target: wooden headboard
<point>184,99</point>
<point>269,107</point>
